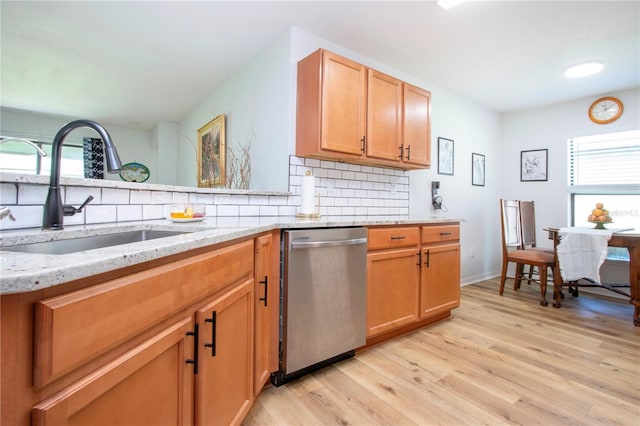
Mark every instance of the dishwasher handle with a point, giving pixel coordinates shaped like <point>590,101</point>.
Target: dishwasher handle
<point>336,243</point>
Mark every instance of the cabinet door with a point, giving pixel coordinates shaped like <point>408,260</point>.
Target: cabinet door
<point>392,289</point>
<point>384,117</point>
<point>343,105</point>
<point>266,301</point>
<point>330,107</point>
<point>224,381</point>
<point>416,126</point>
<point>150,385</point>
<point>440,280</point>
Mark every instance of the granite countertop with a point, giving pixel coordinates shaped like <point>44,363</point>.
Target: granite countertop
<point>24,272</point>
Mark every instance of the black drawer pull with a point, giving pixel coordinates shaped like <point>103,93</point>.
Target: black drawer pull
<point>401,237</point>
<point>194,361</point>
<point>212,345</point>
<point>445,233</point>
<point>266,286</point>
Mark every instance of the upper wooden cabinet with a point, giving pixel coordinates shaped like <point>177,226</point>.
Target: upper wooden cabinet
<point>384,117</point>
<point>416,126</point>
<point>348,112</point>
<point>331,107</point>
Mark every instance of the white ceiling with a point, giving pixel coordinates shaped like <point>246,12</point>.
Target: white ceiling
<point>137,63</point>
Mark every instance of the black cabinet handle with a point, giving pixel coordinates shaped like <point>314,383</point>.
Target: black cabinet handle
<point>400,237</point>
<point>266,286</point>
<point>419,257</point>
<point>363,141</point>
<point>426,262</point>
<point>408,152</point>
<point>194,360</point>
<point>445,233</point>
<point>213,321</point>
<point>401,148</point>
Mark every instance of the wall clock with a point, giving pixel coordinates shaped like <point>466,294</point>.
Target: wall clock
<point>605,110</point>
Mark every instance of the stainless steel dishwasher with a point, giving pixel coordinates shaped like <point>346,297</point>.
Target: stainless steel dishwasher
<point>324,297</point>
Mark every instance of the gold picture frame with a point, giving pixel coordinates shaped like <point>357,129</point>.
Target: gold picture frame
<point>211,153</point>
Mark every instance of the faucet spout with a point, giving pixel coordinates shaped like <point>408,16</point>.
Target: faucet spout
<point>27,141</point>
<point>53,207</point>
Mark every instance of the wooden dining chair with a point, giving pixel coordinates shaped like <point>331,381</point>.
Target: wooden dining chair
<point>514,251</point>
<point>528,232</point>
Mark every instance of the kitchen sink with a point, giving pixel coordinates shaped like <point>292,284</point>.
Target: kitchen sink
<point>73,245</point>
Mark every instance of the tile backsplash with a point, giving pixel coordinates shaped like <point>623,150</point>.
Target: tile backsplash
<point>343,189</point>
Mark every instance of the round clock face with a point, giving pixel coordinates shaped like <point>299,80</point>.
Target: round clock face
<point>605,110</point>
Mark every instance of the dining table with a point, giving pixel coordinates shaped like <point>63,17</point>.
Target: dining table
<point>626,238</point>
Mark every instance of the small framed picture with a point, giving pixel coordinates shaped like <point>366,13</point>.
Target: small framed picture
<point>533,165</point>
<point>477,169</point>
<point>445,156</point>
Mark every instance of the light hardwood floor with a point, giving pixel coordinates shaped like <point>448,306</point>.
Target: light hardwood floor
<point>500,360</point>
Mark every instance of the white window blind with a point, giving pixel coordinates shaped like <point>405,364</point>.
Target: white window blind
<point>605,160</point>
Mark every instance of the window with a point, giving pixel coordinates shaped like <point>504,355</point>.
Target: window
<point>606,169</point>
<point>17,157</point>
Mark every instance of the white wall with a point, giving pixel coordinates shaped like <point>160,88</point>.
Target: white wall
<point>549,128</point>
<point>474,129</point>
<point>132,145</point>
<point>255,101</point>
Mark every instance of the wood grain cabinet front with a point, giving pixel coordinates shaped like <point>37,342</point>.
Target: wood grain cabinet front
<point>267,308</point>
<point>331,107</point>
<point>151,384</point>
<point>224,381</point>
<point>170,344</point>
<point>348,112</point>
<point>440,273</point>
<point>393,278</point>
<point>413,277</point>
<point>416,127</point>
<point>74,328</point>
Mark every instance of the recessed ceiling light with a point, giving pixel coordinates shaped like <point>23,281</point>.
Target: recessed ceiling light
<point>448,4</point>
<point>584,69</point>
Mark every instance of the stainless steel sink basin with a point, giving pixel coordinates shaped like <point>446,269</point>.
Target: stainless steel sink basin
<point>73,245</point>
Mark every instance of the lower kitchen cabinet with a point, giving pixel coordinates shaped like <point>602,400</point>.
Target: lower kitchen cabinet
<point>393,278</point>
<point>224,380</point>
<point>440,280</point>
<point>149,385</point>
<point>171,343</point>
<point>266,308</point>
<point>440,269</point>
<point>393,283</point>
<point>413,277</point>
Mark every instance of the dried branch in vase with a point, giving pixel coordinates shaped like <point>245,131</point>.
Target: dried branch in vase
<point>239,165</point>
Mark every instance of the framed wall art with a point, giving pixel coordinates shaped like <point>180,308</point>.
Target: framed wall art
<point>445,156</point>
<point>477,169</point>
<point>533,165</point>
<point>211,153</point>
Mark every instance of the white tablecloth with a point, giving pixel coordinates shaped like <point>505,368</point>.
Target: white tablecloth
<point>581,252</point>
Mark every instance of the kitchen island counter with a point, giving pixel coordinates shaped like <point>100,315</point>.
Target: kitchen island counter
<point>25,272</point>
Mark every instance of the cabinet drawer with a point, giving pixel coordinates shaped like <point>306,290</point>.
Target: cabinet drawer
<point>381,238</point>
<point>438,233</point>
<point>74,328</point>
